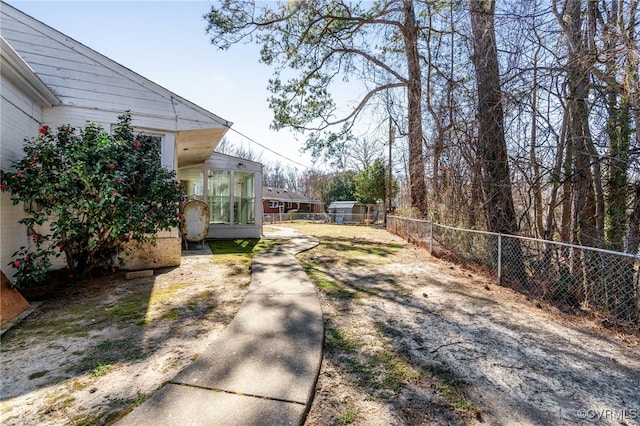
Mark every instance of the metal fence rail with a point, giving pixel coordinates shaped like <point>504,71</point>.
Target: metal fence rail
<point>568,276</point>
<point>339,218</point>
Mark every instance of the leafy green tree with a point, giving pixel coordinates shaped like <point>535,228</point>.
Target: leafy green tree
<point>371,183</point>
<point>342,186</point>
<point>87,194</point>
<point>312,44</point>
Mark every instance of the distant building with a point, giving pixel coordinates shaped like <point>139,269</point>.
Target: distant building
<point>352,211</point>
<point>280,200</point>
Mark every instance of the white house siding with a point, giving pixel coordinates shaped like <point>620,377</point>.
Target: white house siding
<point>20,117</point>
<point>88,86</point>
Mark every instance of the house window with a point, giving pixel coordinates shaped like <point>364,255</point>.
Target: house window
<point>219,195</point>
<point>273,204</point>
<point>244,197</point>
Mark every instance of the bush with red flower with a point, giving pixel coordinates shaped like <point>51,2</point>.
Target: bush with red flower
<point>95,192</point>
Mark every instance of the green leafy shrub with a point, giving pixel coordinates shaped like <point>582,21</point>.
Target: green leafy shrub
<point>93,192</point>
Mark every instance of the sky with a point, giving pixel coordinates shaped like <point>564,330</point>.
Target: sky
<point>166,42</point>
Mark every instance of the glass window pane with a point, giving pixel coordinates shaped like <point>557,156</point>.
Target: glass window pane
<point>244,198</point>
<point>193,183</point>
<point>219,195</point>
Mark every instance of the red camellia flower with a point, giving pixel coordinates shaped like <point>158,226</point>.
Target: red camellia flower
<point>119,180</point>
<point>138,144</point>
<point>26,259</point>
<point>3,187</point>
<point>34,155</point>
<point>16,263</point>
<point>35,237</point>
<point>114,193</point>
<point>66,129</point>
<point>20,175</point>
<point>44,130</point>
<point>112,166</point>
<point>60,245</point>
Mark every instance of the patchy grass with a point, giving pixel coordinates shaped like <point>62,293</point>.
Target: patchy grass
<point>321,279</point>
<point>238,254</point>
<point>340,341</point>
<point>346,267</point>
<point>71,358</point>
<point>355,251</point>
<point>374,367</point>
<point>101,370</point>
<point>243,246</point>
<point>357,245</point>
<point>449,386</point>
<point>349,415</point>
<point>140,398</point>
<point>99,358</point>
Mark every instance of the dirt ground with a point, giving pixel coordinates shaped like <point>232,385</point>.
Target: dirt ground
<point>107,345</point>
<point>409,339</point>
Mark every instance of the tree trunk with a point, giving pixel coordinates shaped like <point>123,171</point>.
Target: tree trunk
<point>536,186</point>
<point>414,95</point>
<point>566,230</point>
<point>501,216</point>
<point>491,138</point>
<point>578,128</point>
<point>438,140</point>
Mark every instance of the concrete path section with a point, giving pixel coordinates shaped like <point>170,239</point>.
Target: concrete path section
<point>263,368</point>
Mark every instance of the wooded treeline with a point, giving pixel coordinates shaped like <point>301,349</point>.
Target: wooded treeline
<point>516,116</point>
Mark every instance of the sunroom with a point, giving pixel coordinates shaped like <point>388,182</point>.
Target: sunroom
<point>232,189</point>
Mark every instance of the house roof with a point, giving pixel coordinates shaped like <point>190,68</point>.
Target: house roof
<point>342,204</point>
<point>83,79</point>
<point>284,195</point>
<point>17,70</point>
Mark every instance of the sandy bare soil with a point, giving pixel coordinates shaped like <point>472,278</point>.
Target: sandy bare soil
<point>107,345</point>
<point>416,340</point>
<point>410,339</point>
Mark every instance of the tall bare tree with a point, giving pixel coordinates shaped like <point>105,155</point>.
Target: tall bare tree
<point>491,139</point>
<point>317,41</point>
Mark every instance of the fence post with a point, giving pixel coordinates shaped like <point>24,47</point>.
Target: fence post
<point>431,236</point>
<point>406,229</point>
<point>500,259</point>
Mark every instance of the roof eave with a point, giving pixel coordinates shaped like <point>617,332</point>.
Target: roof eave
<point>16,69</point>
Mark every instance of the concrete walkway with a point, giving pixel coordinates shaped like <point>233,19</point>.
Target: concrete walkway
<point>263,368</point>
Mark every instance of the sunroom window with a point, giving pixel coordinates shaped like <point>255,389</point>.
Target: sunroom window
<point>219,195</point>
<point>193,183</point>
<point>244,196</point>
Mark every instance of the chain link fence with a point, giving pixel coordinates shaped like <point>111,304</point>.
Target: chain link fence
<point>571,277</point>
<point>339,218</point>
